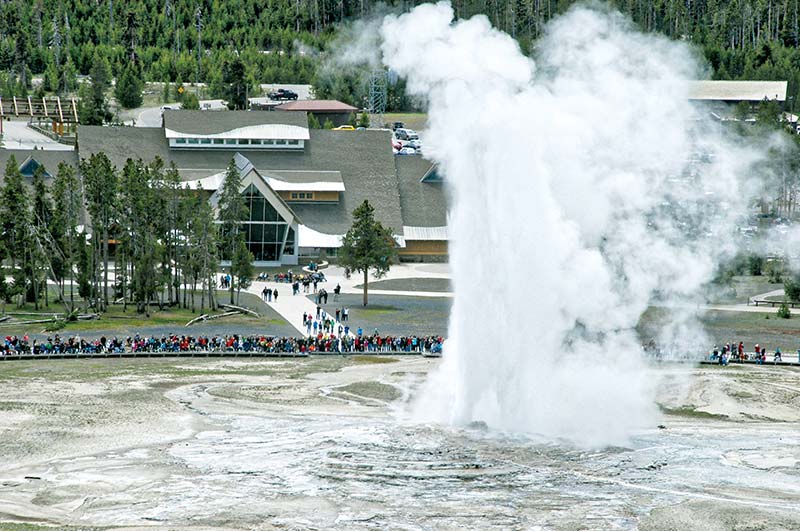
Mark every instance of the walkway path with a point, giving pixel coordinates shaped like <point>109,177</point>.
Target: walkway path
<point>291,307</point>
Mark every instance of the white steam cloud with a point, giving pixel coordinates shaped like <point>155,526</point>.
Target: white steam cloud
<point>584,187</point>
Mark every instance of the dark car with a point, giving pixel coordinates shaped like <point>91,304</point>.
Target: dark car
<point>282,94</point>
<point>398,125</point>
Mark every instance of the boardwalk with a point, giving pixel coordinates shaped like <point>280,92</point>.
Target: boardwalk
<point>204,354</point>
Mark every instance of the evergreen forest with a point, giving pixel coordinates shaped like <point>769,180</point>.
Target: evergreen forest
<point>280,41</point>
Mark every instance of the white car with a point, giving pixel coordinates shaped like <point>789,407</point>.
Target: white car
<point>407,151</point>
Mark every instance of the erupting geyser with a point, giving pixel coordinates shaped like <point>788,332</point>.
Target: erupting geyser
<point>583,187</point>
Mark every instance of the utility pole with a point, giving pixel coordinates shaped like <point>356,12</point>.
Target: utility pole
<point>56,42</point>
<point>169,10</point>
<point>199,16</point>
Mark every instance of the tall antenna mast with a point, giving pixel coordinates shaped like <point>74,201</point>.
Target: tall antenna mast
<point>199,16</point>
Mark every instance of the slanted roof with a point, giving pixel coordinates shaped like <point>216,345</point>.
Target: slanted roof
<point>251,176</point>
<point>412,233</point>
<point>317,106</point>
<point>30,165</point>
<point>216,122</point>
<point>305,180</point>
<point>364,160</point>
<point>423,203</point>
<point>121,143</point>
<point>48,159</point>
<point>737,90</point>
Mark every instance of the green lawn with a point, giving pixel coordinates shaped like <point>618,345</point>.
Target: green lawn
<point>722,327</point>
<point>743,287</point>
<point>412,284</point>
<point>413,120</point>
<point>119,322</point>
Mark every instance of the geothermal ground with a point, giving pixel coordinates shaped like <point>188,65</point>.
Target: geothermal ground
<point>323,443</point>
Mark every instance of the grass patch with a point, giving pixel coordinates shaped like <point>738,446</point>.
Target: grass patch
<point>413,120</point>
<point>115,321</point>
<point>741,289</point>
<point>371,311</point>
<point>373,359</point>
<point>441,285</point>
<point>690,412</point>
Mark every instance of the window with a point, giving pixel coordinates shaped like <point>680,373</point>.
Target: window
<point>294,195</point>
<point>265,231</point>
<point>205,140</point>
<point>269,142</point>
<point>193,140</point>
<point>230,141</point>
<point>244,141</point>
<point>180,140</point>
<point>289,247</point>
<point>255,141</point>
<point>280,142</point>
<point>294,142</point>
<point>218,141</point>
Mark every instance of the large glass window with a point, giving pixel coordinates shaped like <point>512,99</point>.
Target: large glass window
<point>265,229</point>
<point>289,247</point>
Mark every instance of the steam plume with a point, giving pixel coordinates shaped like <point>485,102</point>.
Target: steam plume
<point>583,188</point>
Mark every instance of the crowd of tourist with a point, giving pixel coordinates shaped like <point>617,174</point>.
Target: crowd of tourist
<point>319,343</point>
<point>735,353</point>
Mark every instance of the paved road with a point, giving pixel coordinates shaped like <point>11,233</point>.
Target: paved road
<point>17,135</point>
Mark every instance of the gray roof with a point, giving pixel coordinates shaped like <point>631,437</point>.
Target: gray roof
<point>305,176</point>
<point>213,122</point>
<point>49,159</point>
<point>363,158</point>
<point>423,204</point>
<point>123,143</point>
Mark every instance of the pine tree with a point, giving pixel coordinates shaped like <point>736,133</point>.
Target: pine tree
<point>100,184</point>
<point>242,268</point>
<point>367,245</point>
<point>15,218</point>
<point>232,213</point>
<point>128,89</point>
<point>67,207</point>
<point>235,79</point>
<point>94,106</point>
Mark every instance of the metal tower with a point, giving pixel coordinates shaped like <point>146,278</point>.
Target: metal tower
<point>378,90</point>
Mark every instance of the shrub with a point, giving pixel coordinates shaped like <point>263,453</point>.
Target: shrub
<point>791,287</point>
<point>784,312</point>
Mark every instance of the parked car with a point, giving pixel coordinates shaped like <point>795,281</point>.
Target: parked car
<point>344,128</point>
<point>407,151</point>
<point>406,134</point>
<point>282,94</point>
<point>416,144</point>
<point>398,125</point>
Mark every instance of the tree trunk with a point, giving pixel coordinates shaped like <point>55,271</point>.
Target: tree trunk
<point>366,279</point>
<point>105,267</point>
